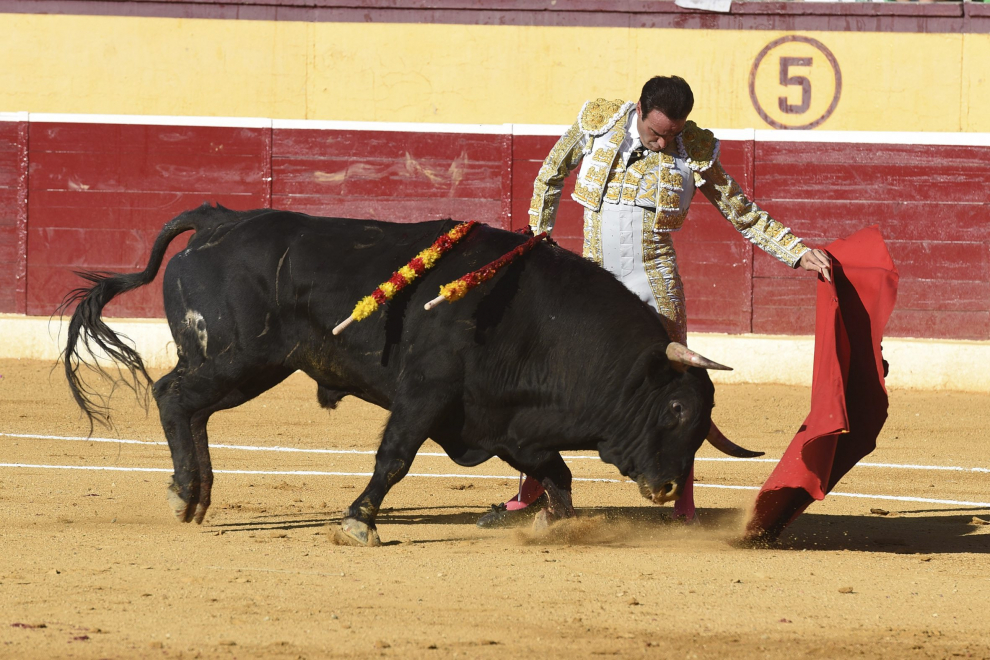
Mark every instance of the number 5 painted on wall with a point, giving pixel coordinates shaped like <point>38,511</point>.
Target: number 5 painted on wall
<point>788,80</point>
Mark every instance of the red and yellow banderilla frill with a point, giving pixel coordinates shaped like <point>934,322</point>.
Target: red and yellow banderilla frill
<point>458,288</point>
<point>400,278</point>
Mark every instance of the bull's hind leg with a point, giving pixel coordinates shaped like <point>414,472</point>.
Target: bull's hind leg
<point>176,418</point>
<point>408,428</point>
<point>201,445</point>
<point>185,404</point>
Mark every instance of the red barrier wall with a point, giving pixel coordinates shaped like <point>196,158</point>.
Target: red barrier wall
<point>392,175</point>
<point>98,195</point>
<point>13,215</point>
<point>930,203</point>
<point>93,196</point>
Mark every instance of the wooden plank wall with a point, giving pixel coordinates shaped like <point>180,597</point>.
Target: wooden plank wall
<point>97,195</point>
<point>931,205</point>
<point>715,261</point>
<point>13,215</point>
<point>391,175</point>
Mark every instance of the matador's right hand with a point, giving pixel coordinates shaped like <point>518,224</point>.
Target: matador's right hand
<point>819,261</point>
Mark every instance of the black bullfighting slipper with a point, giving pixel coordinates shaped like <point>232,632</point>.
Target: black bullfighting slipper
<point>500,516</point>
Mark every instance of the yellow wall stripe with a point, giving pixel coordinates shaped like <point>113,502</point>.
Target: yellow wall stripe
<point>485,74</point>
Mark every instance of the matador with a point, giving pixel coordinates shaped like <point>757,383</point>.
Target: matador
<point>640,166</point>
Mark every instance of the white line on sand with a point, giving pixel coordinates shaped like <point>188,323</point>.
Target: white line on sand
<point>123,441</point>
<point>317,473</point>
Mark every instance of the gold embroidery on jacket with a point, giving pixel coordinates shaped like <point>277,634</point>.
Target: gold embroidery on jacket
<point>547,189</point>
<point>670,220</point>
<point>660,264</point>
<point>668,200</point>
<point>636,179</point>
<point>629,190</point>
<point>591,188</point>
<point>592,248</point>
<point>588,197</point>
<point>670,179</point>
<point>637,185</point>
<point>613,191</point>
<point>597,117</point>
<point>597,175</point>
<point>603,156</point>
<point>698,146</point>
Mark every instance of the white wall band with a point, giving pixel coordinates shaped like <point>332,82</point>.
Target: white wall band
<point>759,135</point>
<point>916,364</point>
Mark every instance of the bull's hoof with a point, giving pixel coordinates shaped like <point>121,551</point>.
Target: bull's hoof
<point>182,509</point>
<point>543,520</point>
<point>200,513</point>
<point>355,532</point>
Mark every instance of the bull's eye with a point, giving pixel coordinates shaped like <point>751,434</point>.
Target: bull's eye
<point>677,408</point>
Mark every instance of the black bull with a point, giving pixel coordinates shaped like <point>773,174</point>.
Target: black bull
<point>552,354</point>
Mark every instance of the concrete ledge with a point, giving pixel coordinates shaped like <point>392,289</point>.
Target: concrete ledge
<point>41,338</point>
<point>915,364</point>
<point>919,364</point>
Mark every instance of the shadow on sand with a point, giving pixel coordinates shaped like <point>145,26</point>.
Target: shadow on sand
<point>913,532</point>
<point>909,532</point>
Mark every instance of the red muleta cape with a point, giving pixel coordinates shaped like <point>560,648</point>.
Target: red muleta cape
<point>848,396</point>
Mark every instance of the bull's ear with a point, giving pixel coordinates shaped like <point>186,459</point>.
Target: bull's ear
<point>649,368</point>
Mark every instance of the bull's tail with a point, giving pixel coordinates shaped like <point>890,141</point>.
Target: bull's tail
<point>90,338</point>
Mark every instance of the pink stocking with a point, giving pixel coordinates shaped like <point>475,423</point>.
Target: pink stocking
<point>528,492</point>
<point>684,506</point>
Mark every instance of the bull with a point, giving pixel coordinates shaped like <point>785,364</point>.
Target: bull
<point>552,354</point>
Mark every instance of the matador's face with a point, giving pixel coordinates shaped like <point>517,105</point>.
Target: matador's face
<point>657,131</point>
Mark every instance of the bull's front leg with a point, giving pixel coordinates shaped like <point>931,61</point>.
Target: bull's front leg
<point>405,433</point>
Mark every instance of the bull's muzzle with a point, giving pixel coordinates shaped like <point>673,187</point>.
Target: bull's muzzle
<point>669,491</point>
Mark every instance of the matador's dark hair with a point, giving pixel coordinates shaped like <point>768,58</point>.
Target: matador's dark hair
<point>671,95</point>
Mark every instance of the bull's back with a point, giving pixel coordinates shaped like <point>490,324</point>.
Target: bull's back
<point>271,265</point>
<point>275,284</point>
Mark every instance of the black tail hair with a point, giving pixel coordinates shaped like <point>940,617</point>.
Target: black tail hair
<point>88,326</point>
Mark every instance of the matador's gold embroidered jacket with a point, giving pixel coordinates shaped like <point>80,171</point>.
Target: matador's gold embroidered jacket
<point>655,182</point>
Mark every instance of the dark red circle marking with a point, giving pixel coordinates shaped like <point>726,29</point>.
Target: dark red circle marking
<point>814,43</point>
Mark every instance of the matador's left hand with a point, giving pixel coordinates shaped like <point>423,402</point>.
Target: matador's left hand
<point>818,261</point>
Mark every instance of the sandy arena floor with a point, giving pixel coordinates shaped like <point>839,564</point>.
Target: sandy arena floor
<point>93,565</point>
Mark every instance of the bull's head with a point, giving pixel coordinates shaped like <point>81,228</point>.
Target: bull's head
<point>677,396</point>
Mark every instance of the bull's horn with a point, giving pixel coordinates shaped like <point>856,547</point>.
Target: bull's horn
<point>681,353</point>
<point>726,446</point>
